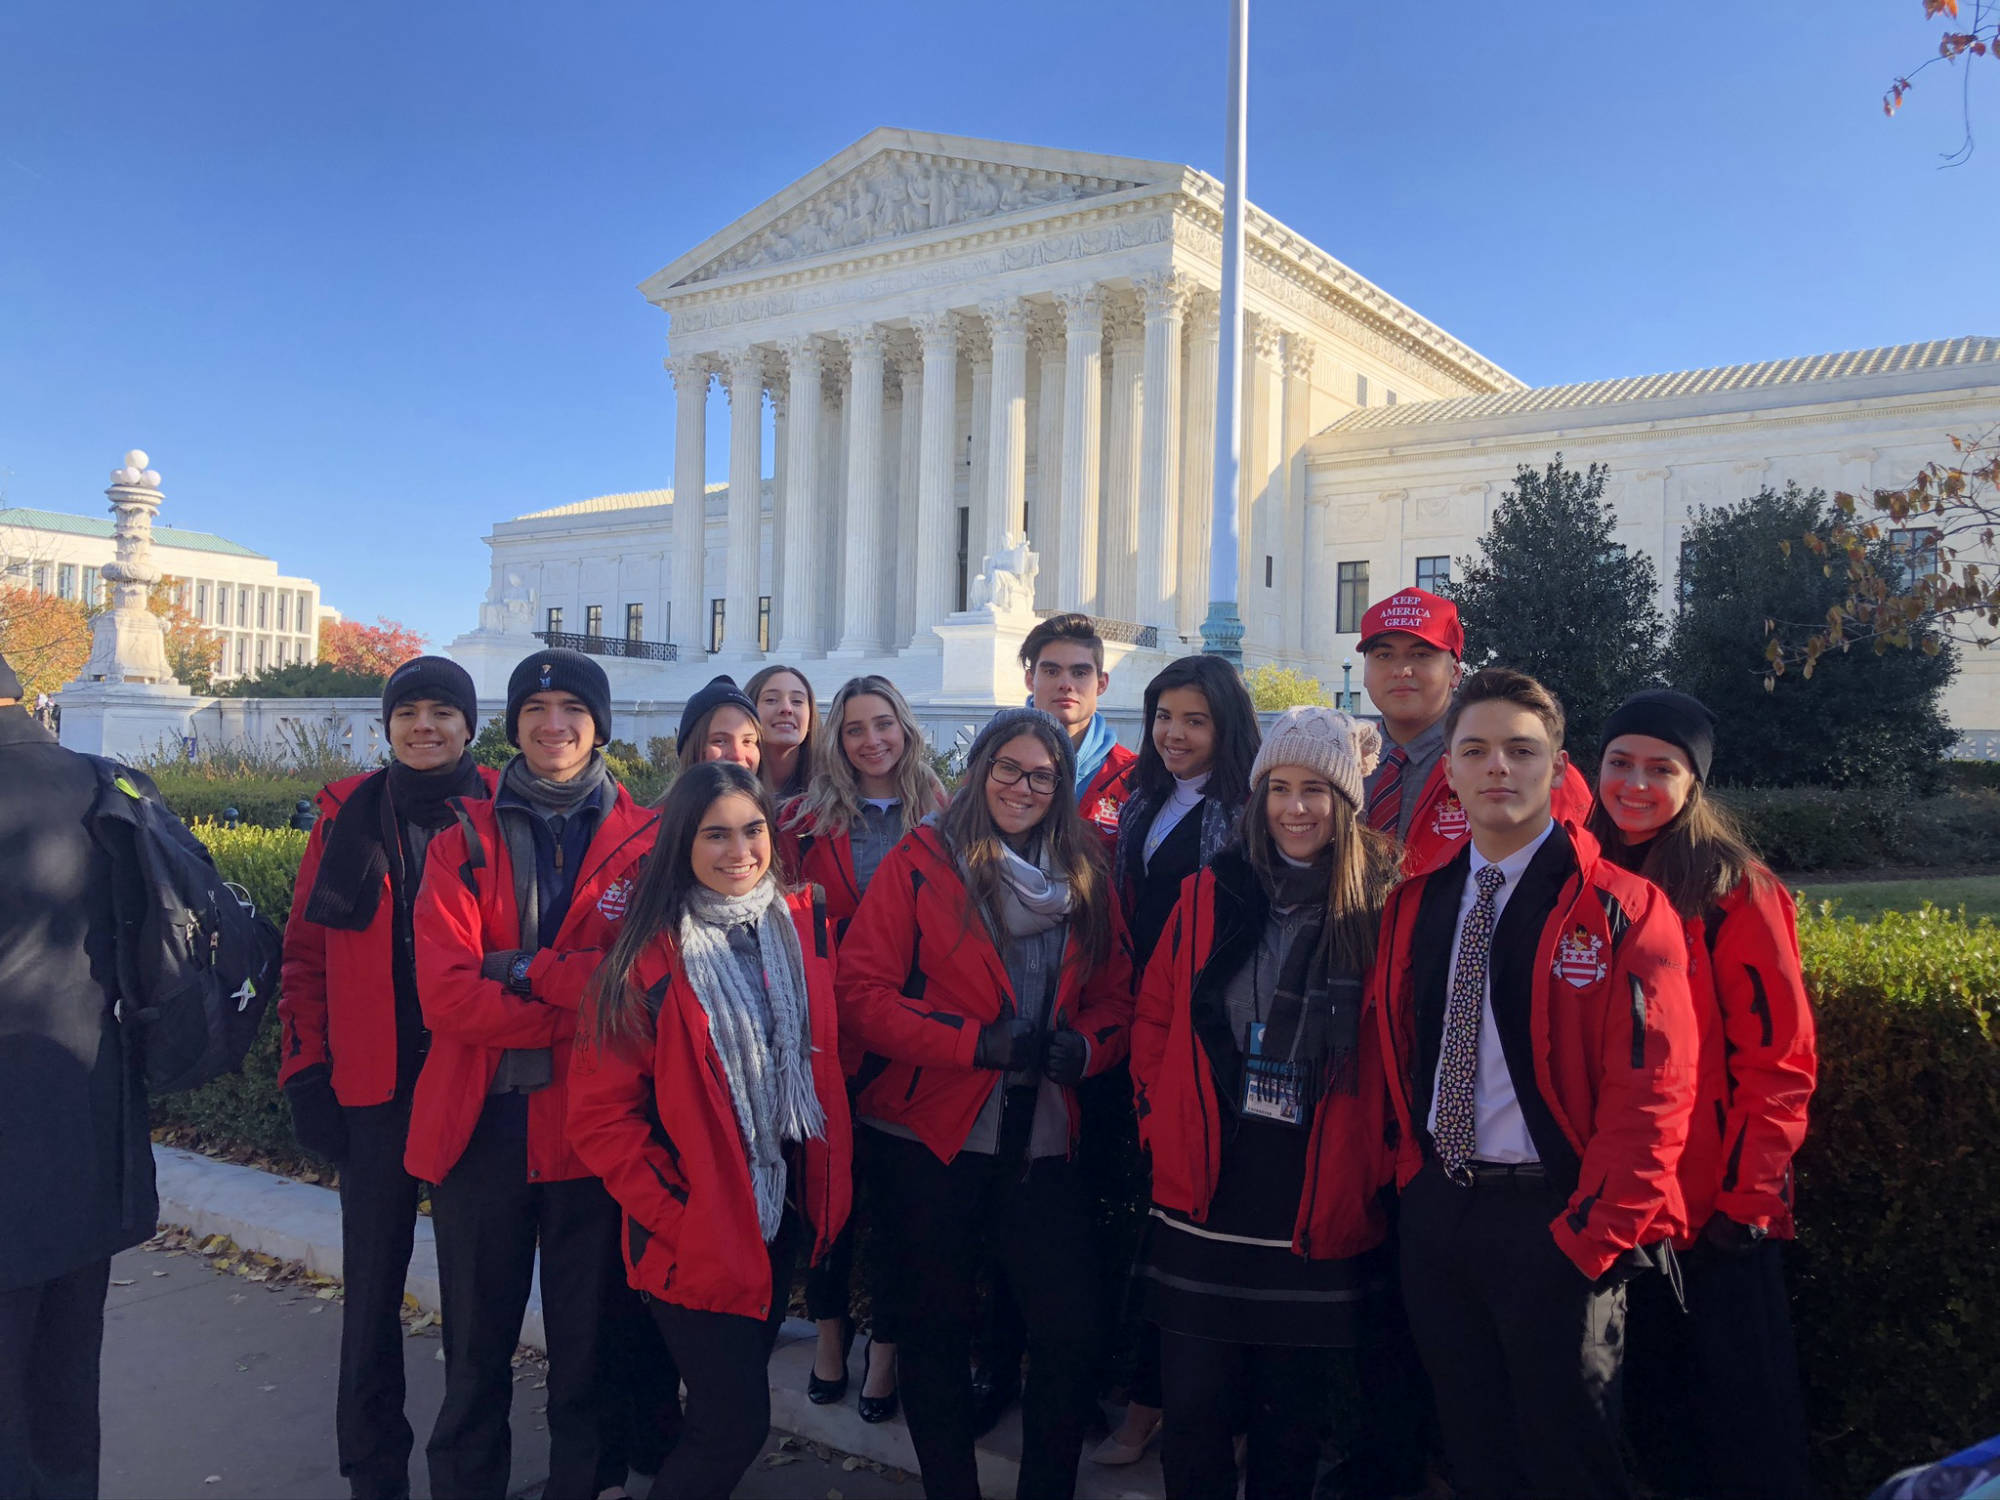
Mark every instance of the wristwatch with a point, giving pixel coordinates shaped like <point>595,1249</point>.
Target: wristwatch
<point>517,972</point>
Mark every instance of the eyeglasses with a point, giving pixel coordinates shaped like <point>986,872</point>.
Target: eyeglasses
<point>1042,780</point>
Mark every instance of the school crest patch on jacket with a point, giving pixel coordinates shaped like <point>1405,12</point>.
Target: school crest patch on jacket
<point>1449,821</point>
<point>1105,813</point>
<point>611,905</point>
<point>1579,958</point>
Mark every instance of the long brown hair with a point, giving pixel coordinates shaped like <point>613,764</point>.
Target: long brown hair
<point>1076,849</point>
<point>1364,872</point>
<point>802,766</point>
<point>832,801</point>
<point>1697,859</point>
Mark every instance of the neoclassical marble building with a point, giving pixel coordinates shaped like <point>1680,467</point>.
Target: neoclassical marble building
<point>987,374</point>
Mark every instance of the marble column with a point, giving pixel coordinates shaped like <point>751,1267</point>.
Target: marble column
<point>829,529</point>
<point>1007,426</point>
<point>1204,348</point>
<point>689,600</point>
<point>936,444</point>
<point>909,375</point>
<point>1291,550</point>
<point>745,385</point>
<point>979,353</point>
<point>796,635</point>
<point>1124,424</point>
<point>1083,399</point>
<point>861,575</point>
<point>1163,300</point>
<point>1046,532</point>
<point>1257,604</point>
<point>777,381</point>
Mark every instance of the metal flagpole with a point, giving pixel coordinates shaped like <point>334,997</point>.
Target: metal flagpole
<point>1222,631</point>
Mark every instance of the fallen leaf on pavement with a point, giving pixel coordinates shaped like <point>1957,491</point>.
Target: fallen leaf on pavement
<point>851,1464</point>
<point>777,1459</point>
<point>121,1281</point>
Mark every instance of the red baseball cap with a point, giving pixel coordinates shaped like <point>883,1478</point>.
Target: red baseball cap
<point>1419,613</point>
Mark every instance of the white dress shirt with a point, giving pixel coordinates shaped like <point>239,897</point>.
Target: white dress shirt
<point>1500,1132</point>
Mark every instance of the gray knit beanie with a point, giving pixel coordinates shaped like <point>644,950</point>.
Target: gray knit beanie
<point>1342,749</point>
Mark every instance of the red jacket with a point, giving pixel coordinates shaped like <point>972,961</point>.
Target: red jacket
<point>465,911</point>
<point>338,1000</point>
<point>1438,828</point>
<point>917,981</point>
<point>1173,1081</point>
<point>655,1121</point>
<point>1104,799</point>
<point>1758,1059</point>
<point>1615,1046</point>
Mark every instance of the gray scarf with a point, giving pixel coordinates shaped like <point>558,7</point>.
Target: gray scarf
<point>769,1075</point>
<point>556,798</point>
<point>1031,899</point>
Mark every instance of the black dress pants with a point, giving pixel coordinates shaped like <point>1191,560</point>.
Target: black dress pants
<point>1279,1397</point>
<point>1035,1220</point>
<point>829,1285</point>
<point>489,1219</point>
<point>378,1219</point>
<point>725,1360</point>
<point>1523,1352</point>
<point>51,1338</point>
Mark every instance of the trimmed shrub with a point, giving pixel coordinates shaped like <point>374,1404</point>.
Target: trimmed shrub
<point>1800,829</point>
<point>1894,1296</point>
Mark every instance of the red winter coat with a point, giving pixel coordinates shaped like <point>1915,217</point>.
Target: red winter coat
<point>917,981</point>
<point>1104,799</point>
<point>1615,1042</point>
<point>1438,828</point>
<point>465,911</point>
<point>338,1000</point>
<point>1173,1081</point>
<point>655,1121</point>
<point>1758,1059</point>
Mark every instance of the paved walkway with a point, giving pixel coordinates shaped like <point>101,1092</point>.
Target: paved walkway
<point>221,1388</point>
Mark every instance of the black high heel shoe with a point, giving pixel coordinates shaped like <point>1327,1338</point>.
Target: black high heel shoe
<point>827,1392</point>
<point>874,1408</point>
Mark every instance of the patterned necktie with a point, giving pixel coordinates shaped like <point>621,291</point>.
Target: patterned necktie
<point>1385,803</point>
<point>1458,1072</point>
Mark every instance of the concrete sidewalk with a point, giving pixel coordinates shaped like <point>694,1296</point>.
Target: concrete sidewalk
<point>297,1221</point>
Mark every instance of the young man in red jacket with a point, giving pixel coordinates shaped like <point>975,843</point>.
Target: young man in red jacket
<point>1064,658</point>
<point>354,1038</point>
<point>1413,656</point>
<point>1541,1053</point>
<point>520,898</point>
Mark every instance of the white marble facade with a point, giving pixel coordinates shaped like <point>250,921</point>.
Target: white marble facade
<point>968,350</point>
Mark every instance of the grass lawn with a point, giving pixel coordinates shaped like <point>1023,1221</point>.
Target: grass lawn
<point>1866,900</point>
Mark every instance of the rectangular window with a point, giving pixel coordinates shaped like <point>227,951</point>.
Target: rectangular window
<point>1433,573</point>
<point>555,619</point>
<point>1360,390</point>
<point>763,622</point>
<point>263,609</point>
<point>41,578</point>
<point>1916,554</point>
<point>262,646</point>
<point>222,604</point>
<point>1388,398</point>
<point>1351,600</point>
<point>93,588</point>
<point>285,610</point>
<point>964,548</point>
<point>635,622</point>
<point>242,653</point>
<point>593,620</point>
<point>201,602</point>
<point>715,624</point>
<point>1267,570</point>
<point>66,581</point>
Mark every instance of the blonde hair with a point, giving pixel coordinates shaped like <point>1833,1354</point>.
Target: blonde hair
<point>832,802</point>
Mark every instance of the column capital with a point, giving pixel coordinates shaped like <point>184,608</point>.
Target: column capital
<point>743,368</point>
<point>1164,294</point>
<point>1299,351</point>
<point>1123,321</point>
<point>690,373</point>
<point>863,340</point>
<point>937,331</point>
<point>803,354</point>
<point>1006,319</point>
<point>1045,331</point>
<point>1082,309</point>
<point>1205,312</point>
<point>1263,336</point>
<point>975,341</point>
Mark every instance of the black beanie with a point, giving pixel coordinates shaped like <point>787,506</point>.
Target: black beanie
<point>437,678</point>
<point>720,692</point>
<point>559,670</point>
<point>10,684</point>
<point>1666,715</point>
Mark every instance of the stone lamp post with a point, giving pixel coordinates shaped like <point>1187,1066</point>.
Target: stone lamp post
<point>127,641</point>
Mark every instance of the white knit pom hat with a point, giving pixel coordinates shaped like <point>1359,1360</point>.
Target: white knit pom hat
<point>1340,748</point>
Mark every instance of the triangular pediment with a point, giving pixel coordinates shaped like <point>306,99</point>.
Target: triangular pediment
<point>903,184</point>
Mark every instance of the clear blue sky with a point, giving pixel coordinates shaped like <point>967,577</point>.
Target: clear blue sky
<point>361,277</point>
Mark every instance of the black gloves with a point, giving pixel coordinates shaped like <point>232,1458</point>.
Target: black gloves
<point>1727,1237</point>
<point>1065,1055</point>
<point>317,1121</point>
<point>1006,1046</point>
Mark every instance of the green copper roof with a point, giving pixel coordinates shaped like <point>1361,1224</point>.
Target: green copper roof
<point>163,536</point>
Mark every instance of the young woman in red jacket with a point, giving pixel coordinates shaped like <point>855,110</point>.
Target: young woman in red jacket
<point>1256,1073</point>
<point>708,1095</point>
<point>787,727</point>
<point>1736,1384</point>
<point>872,783</point>
<point>354,1038</point>
<point>986,974</point>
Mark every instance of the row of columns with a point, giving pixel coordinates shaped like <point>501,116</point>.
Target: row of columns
<point>866,492</point>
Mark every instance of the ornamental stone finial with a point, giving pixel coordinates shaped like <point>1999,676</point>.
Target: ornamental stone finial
<point>127,643</point>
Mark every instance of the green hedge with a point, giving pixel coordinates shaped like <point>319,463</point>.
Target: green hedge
<point>1801,829</point>
<point>1893,1287</point>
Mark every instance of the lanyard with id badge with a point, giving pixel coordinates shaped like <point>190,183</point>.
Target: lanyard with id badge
<point>1273,1087</point>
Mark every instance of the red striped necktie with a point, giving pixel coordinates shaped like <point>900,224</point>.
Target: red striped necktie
<point>1385,803</point>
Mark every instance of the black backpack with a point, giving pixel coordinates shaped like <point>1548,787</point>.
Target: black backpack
<point>196,965</point>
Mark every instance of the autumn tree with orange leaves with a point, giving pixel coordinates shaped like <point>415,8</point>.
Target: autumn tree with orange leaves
<point>46,640</point>
<point>370,650</point>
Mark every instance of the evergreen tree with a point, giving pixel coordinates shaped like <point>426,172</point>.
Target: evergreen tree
<point>1555,594</point>
<point>1866,716</point>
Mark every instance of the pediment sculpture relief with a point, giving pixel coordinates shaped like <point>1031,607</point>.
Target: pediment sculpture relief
<point>897,194</point>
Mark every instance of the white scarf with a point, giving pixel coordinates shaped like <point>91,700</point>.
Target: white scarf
<point>769,1076</point>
